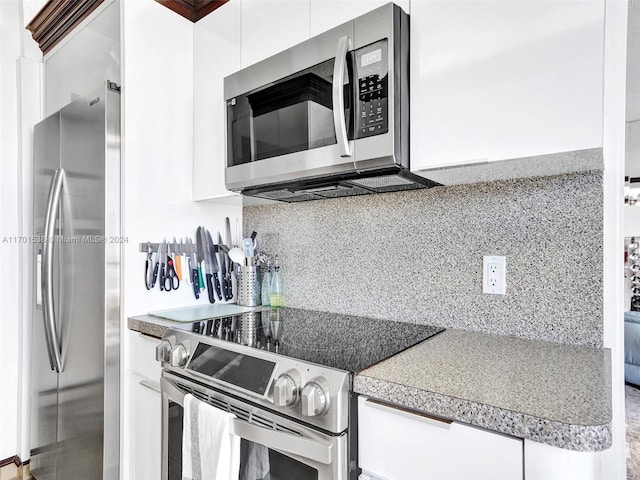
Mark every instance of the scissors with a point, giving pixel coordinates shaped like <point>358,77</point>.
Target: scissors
<point>150,269</point>
<point>170,279</point>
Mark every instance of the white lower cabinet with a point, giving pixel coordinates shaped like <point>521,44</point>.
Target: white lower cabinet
<point>396,444</point>
<point>145,448</point>
<point>145,409</point>
<point>544,462</point>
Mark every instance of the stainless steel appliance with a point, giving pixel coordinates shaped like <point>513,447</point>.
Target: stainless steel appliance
<point>326,118</point>
<point>75,362</point>
<point>287,375</point>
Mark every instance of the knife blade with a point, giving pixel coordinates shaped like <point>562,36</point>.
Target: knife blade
<point>162,252</point>
<point>208,264</point>
<point>214,265</point>
<point>226,274</point>
<point>230,264</point>
<point>227,226</point>
<point>194,269</point>
<point>177,260</point>
<point>200,250</point>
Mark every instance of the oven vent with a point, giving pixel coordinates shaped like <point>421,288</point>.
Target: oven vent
<point>242,413</point>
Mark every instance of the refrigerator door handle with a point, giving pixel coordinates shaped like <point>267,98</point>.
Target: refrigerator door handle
<point>51,215</point>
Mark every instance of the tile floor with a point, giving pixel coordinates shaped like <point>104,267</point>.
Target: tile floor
<point>632,406</point>
<point>11,472</point>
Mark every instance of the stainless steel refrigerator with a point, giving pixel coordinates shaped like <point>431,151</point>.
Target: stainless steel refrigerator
<point>75,359</point>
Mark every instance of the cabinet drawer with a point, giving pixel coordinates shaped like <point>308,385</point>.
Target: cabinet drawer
<point>142,351</point>
<point>400,445</point>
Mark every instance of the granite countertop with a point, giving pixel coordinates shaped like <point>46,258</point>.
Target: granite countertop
<point>551,393</point>
<point>152,326</point>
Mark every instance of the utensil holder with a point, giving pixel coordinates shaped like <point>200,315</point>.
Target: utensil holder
<point>249,321</point>
<point>248,286</point>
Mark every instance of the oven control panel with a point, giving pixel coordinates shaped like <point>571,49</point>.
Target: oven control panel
<point>372,90</point>
<point>307,391</point>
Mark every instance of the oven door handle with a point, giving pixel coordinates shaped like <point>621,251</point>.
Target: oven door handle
<point>284,442</point>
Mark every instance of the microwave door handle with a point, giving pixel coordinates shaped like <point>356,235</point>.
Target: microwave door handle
<point>339,123</point>
<point>285,442</point>
<point>51,215</point>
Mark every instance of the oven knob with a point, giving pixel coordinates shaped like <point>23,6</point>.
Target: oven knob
<point>163,351</point>
<point>315,397</point>
<point>179,356</point>
<point>285,390</point>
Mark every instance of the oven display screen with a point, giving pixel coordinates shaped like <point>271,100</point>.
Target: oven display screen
<point>241,370</point>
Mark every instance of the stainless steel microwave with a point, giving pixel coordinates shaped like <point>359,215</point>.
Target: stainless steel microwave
<point>326,118</point>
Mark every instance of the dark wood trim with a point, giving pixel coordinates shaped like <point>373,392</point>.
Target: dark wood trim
<point>205,7</point>
<point>57,18</point>
<point>15,460</point>
<point>192,10</point>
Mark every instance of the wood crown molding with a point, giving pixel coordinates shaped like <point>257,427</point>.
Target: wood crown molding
<point>192,10</point>
<point>57,18</point>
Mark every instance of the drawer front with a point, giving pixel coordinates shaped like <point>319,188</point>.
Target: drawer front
<point>142,351</point>
<point>399,445</point>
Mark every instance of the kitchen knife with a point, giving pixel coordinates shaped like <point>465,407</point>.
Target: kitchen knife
<point>227,227</point>
<point>208,268</point>
<point>162,252</point>
<point>226,275</point>
<point>184,261</point>
<point>177,258</point>
<point>200,249</point>
<point>214,265</point>
<point>194,269</point>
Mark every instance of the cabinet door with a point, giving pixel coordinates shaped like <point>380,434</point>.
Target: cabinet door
<point>544,462</point>
<point>270,26</point>
<point>216,49</point>
<point>399,445</point>
<point>326,14</point>
<point>504,80</point>
<point>145,430</point>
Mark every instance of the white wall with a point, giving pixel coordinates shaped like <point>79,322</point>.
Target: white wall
<point>20,109</point>
<point>157,134</point>
<point>9,227</point>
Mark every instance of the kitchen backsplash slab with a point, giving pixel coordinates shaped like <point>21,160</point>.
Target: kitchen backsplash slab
<point>417,256</point>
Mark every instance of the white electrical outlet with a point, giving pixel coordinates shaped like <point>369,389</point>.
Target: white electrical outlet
<point>494,275</point>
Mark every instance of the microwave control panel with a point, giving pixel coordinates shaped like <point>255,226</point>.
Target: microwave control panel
<point>371,69</point>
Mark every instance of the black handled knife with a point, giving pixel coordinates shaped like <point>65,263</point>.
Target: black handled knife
<point>226,275</point>
<point>193,262</point>
<point>214,265</point>
<point>202,242</point>
<point>200,250</point>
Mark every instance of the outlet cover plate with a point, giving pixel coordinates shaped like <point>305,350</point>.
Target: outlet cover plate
<point>494,275</point>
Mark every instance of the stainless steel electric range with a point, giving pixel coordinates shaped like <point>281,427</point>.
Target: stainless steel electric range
<point>287,374</point>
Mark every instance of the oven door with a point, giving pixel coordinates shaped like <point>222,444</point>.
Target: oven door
<point>272,447</point>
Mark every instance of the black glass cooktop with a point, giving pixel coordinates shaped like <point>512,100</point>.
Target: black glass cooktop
<point>346,342</point>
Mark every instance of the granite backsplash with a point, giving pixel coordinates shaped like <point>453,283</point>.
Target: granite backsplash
<point>417,256</point>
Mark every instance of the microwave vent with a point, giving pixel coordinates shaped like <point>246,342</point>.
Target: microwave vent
<point>388,183</point>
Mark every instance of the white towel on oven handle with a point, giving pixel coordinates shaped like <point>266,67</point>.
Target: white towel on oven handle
<point>210,450</point>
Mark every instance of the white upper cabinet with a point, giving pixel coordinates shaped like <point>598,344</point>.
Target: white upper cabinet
<point>326,14</point>
<point>216,45</point>
<point>270,26</point>
<point>504,80</point>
